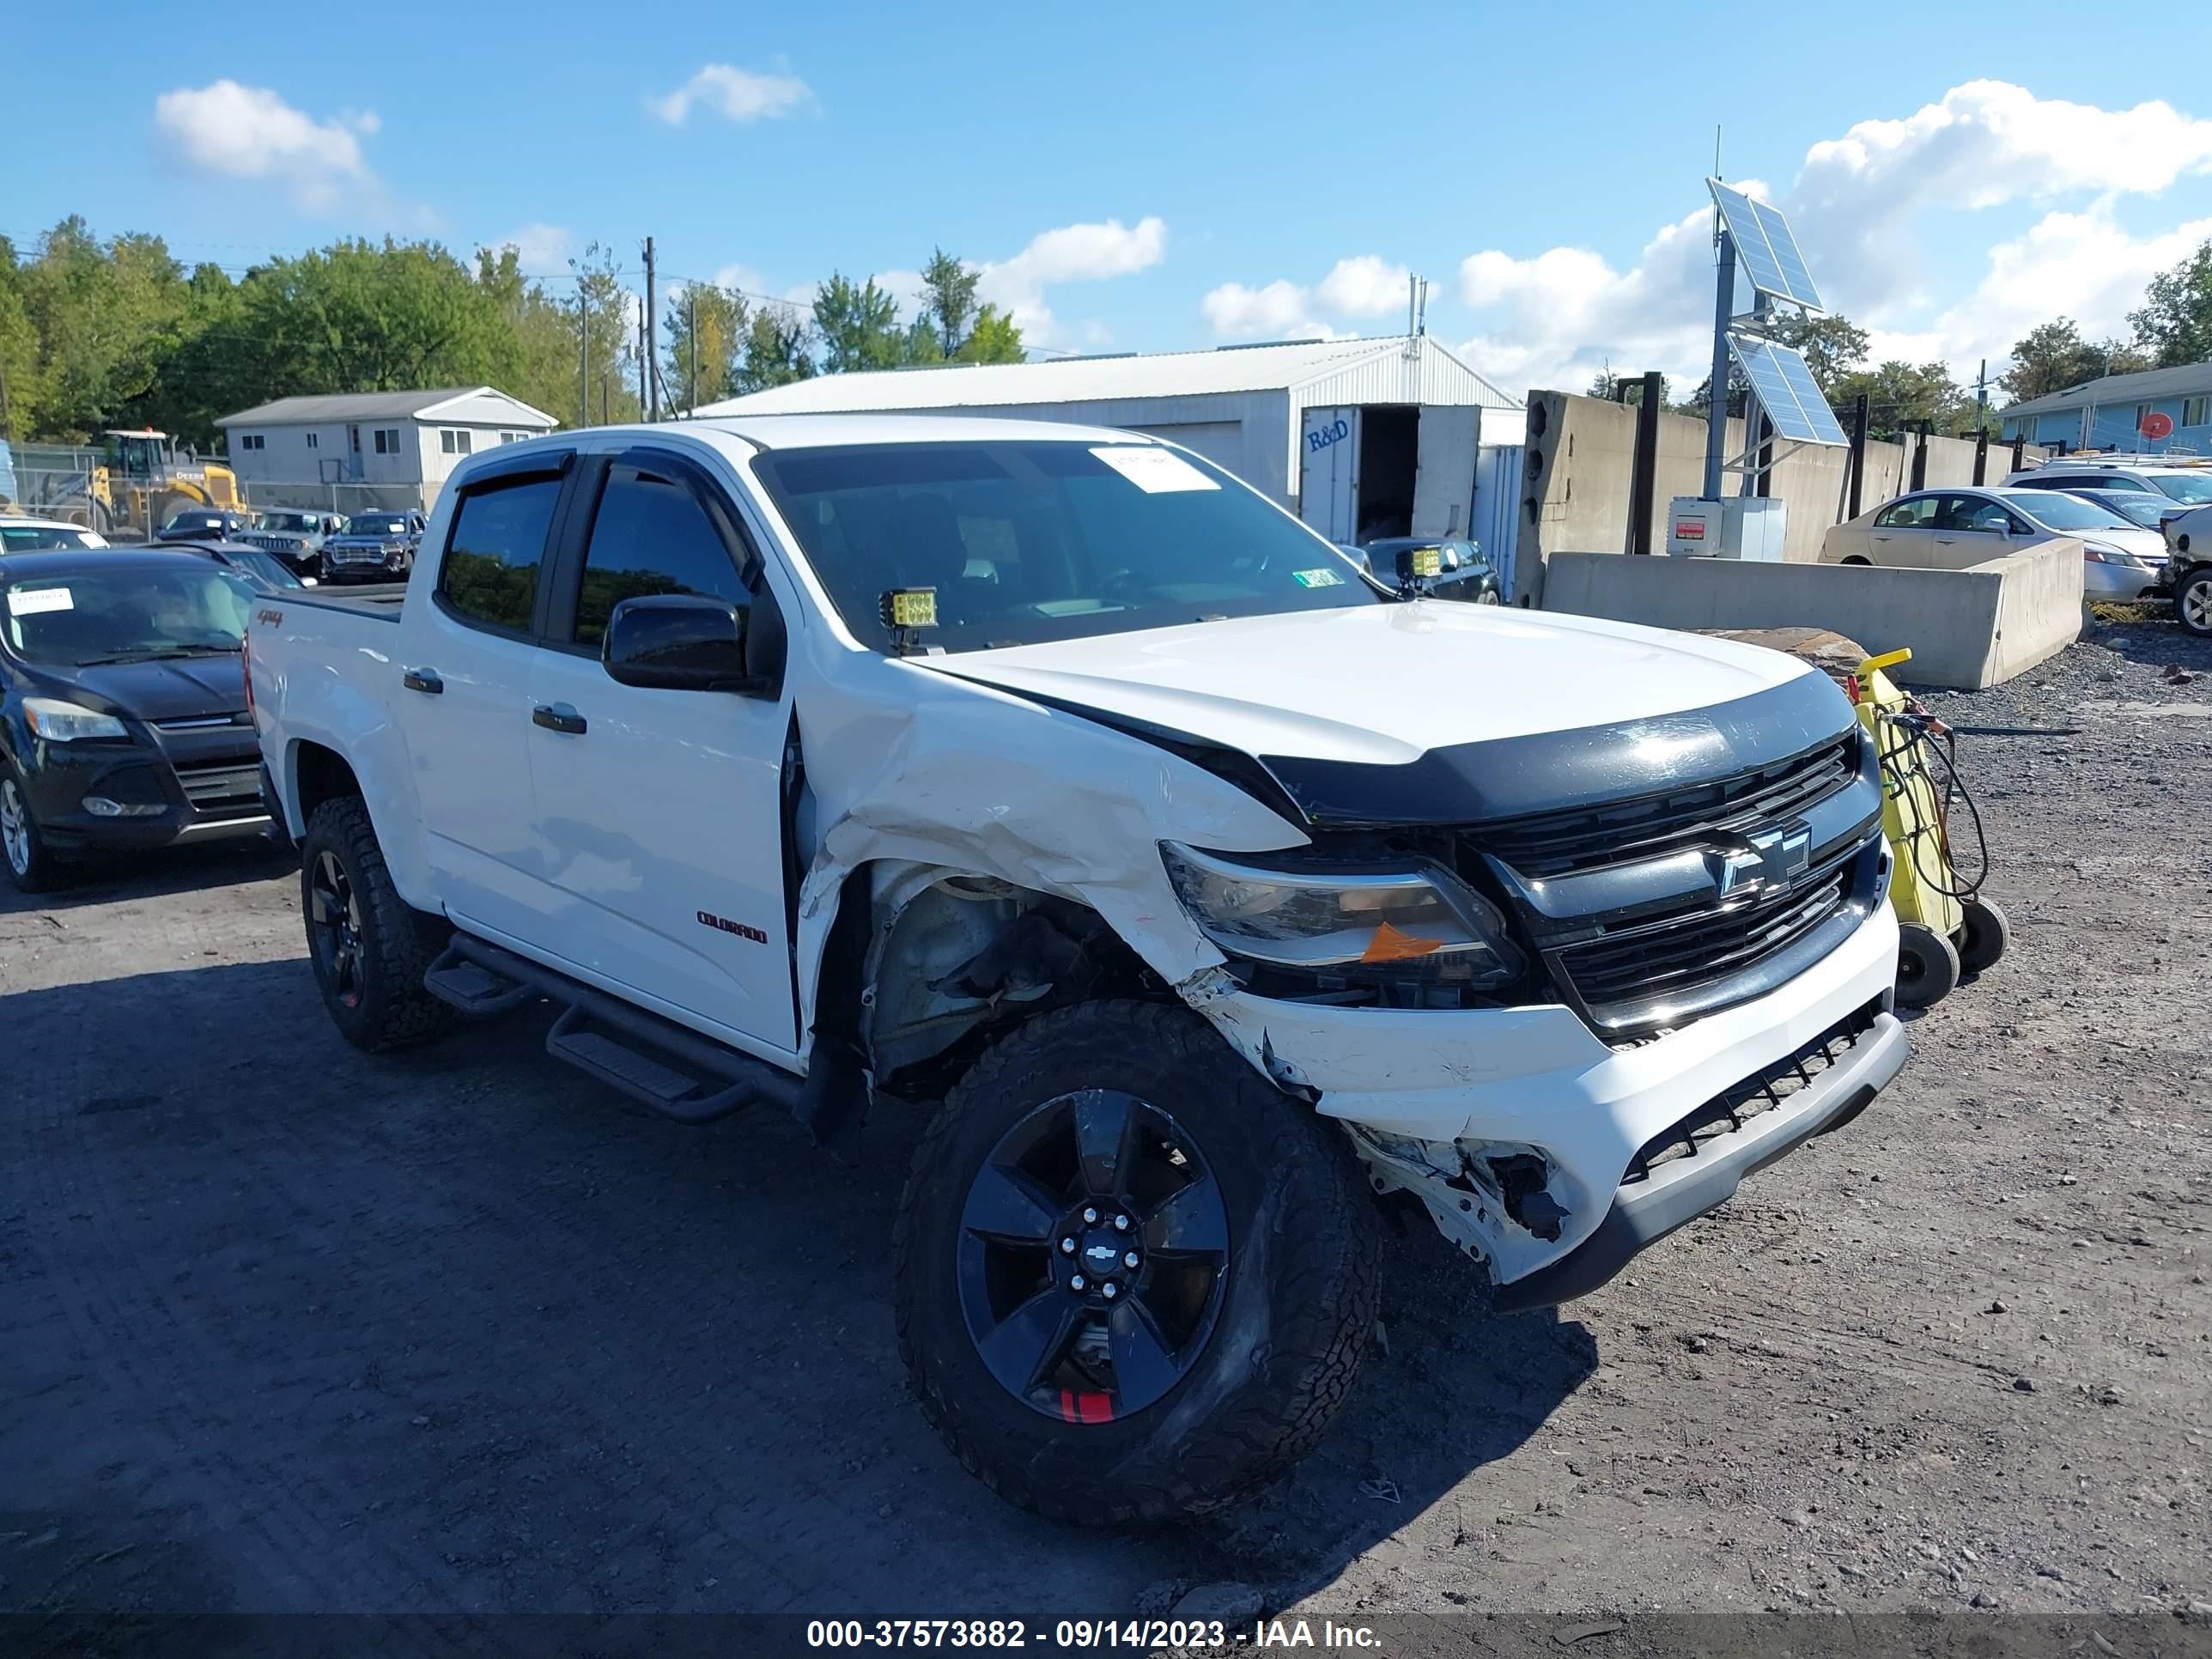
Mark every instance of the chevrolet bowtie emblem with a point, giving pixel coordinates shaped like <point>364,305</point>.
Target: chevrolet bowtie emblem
<point>1774,858</point>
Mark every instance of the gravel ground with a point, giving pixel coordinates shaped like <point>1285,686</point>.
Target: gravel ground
<point>286,1329</point>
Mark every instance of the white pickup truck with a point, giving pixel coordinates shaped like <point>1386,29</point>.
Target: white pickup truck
<point>1211,895</point>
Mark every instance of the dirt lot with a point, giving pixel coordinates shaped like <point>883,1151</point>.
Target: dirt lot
<point>282,1328</point>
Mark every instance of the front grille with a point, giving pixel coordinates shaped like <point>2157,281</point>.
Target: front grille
<point>275,544</point>
<point>1650,826</point>
<point>1704,944</point>
<point>1764,1091</point>
<point>223,787</point>
<point>201,722</point>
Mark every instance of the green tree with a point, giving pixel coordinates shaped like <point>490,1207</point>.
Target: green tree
<point>1833,346</point>
<point>777,349</point>
<point>948,306</point>
<point>996,338</point>
<point>104,316</point>
<point>859,326</point>
<point>602,307</point>
<point>545,328</point>
<point>707,327</point>
<point>1900,396</point>
<point>2174,325</point>
<point>2054,357</point>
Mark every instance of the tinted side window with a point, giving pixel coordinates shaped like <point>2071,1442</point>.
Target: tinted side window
<point>651,534</point>
<point>491,569</point>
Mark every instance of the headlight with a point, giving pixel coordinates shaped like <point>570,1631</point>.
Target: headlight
<point>63,722</point>
<point>2098,553</point>
<point>1410,920</point>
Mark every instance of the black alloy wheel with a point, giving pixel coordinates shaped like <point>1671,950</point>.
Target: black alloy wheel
<point>1093,1251</point>
<point>334,930</point>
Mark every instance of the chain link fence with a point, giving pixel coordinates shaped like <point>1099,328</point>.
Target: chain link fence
<point>53,482</point>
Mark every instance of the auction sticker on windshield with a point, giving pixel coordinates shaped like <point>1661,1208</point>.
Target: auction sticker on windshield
<point>1155,472</point>
<point>1322,578</point>
<point>30,601</point>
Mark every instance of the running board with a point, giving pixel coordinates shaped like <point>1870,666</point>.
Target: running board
<point>675,1071</point>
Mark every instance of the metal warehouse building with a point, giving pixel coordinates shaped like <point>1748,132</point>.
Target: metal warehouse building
<point>1361,438</point>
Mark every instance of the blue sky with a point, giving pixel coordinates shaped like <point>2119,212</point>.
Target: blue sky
<point>1141,177</point>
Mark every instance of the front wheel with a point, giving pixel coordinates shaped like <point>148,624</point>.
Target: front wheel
<point>368,948</point>
<point>1133,1281</point>
<point>2192,602</point>
<point>1488,596</point>
<point>30,865</point>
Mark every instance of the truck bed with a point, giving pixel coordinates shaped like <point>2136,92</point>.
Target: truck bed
<point>377,600</point>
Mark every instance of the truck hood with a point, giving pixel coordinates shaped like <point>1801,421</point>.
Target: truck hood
<point>1437,711</point>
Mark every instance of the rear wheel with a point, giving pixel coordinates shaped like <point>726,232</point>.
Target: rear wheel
<point>1133,1281</point>
<point>1983,937</point>
<point>1926,966</point>
<point>368,947</point>
<point>2192,602</point>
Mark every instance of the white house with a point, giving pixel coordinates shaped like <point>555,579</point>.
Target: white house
<point>403,441</point>
<point>1367,437</point>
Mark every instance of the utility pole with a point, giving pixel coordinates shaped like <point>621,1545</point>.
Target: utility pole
<point>652,341</point>
<point>606,419</point>
<point>691,309</point>
<point>583,354</point>
<point>644,368</point>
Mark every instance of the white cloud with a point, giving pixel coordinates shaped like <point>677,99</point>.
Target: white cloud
<point>1366,286</point>
<point>741,94</point>
<point>905,287</point>
<point>1090,253</point>
<point>539,247</point>
<point>1280,311</point>
<point>1863,205</point>
<point>250,132</point>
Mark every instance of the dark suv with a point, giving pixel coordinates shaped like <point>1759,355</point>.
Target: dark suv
<point>375,546</point>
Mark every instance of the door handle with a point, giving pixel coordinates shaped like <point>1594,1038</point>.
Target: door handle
<point>558,717</point>
<point>422,679</point>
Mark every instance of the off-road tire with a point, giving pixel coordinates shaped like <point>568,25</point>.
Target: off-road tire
<point>1926,966</point>
<point>1303,1276</point>
<point>1983,936</point>
<point>2192,602</point>
<point>393,1010</point>
<point>41,871</point>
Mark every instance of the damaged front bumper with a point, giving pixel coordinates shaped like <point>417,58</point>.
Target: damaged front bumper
<point>1554,1157</point>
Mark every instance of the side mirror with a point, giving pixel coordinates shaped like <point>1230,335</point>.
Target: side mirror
<point>678,643</point>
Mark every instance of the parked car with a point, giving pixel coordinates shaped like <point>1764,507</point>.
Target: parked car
<point>123,720</point>
<point>1466,574</point>
<point>2188,568</point>
<point>1055,775</point>
<point>2191,485</point>
<point>373,547</point>
<point>200,523</point>
<point>2146,509</point>
<point>257,565</point>
<point>294,536</point>
<point>2120,560</point>
<point>20,533</point>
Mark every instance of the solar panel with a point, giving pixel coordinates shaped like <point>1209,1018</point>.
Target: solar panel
<point>1764,247</point>
<point>1783,382</point>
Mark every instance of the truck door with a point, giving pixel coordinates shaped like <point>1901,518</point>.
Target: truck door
<point>461,697</point>
<point>1329,472</point>
<point>1447,441</point>
<point>660,812</point>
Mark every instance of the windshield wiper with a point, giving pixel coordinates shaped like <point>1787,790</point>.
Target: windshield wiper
<point>163,654</point>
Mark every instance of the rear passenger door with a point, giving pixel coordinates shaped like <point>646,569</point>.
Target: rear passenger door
<point>462,697</point>
<point>1904,531</point>
<point>659,813</point>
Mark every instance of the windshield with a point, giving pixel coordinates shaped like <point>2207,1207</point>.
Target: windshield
<point>38,537</point>
<point>265,567</point>
<point>2056,511</point>
<point>286,521</point>
<point>2195,488</point>
<point>376,523</point>
<point>125,614</point>
<point>1028,541</point>
<point>2136,509</point>
<point>195,521</point>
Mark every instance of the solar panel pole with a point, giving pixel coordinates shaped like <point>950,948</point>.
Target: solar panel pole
<point>1716,416</point>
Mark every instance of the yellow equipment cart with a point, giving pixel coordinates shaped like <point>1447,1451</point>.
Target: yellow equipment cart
<point>1945,928</point>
